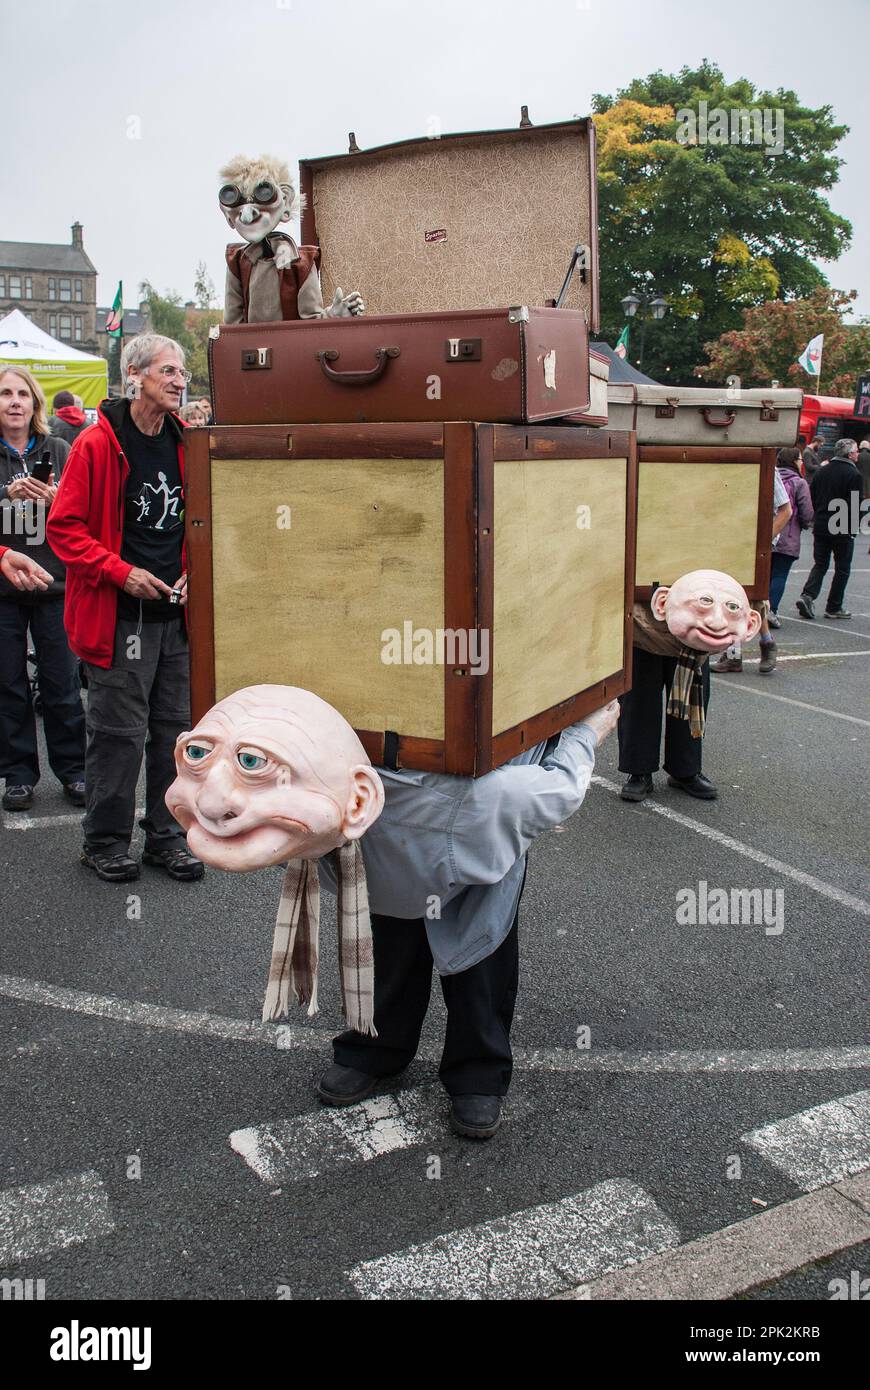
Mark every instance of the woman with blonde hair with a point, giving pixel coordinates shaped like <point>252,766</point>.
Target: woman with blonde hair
<point>31,461</point>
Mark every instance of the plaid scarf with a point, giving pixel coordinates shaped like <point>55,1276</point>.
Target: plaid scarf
<point>686,700</point>
<point>295,946</point>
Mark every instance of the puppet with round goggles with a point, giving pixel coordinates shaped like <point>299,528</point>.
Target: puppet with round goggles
<point>269,277</point>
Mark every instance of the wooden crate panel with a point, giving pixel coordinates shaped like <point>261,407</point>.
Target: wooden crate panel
<point>308,605</point>
<point>696,516</point>
<point>559,602</point>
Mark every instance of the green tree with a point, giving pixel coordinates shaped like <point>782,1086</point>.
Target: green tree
<point>197,354</point>
<point>775,334</point>
<point>166,314</point>
<point>714,227</point>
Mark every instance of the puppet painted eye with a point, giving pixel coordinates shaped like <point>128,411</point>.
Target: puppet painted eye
<point>230,196</point>
<point>250,760</point>
<point>197,752</point>
<point>732,605</point>
<point>706,599</point>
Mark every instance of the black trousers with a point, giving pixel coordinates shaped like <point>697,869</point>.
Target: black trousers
<point>842,549</point>
<point>63,717</point>
<point>480,1001</point>
<point>640,721</point>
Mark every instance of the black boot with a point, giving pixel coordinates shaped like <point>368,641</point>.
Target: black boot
<point>638,786</point>
<point>475,1117</point>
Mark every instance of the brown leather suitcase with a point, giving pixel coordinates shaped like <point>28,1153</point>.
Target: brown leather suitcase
<point>510,365</point>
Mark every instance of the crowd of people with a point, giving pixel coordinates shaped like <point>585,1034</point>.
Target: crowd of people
<point>93,573</point>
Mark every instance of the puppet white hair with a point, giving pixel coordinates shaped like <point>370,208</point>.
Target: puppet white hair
<point>247,172</point>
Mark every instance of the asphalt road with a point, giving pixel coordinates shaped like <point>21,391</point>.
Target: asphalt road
<point>699,1036</point>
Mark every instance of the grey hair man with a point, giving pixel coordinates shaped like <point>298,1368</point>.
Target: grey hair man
<point>118,525</point>
<point>836,495</point>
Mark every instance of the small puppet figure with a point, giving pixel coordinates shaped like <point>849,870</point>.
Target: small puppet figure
<point>701,612</point>
<point>269,277</point>
<point>273,774</point>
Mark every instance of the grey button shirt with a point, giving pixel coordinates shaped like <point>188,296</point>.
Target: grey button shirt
<point>452,849</point>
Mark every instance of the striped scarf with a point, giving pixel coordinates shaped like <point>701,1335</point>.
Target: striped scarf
<point>295,946</point>
<point>686,699</point>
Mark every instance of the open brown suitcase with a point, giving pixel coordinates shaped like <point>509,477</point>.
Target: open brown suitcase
<point>459,247</point>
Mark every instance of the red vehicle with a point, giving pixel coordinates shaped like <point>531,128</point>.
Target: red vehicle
<point>831,418</point>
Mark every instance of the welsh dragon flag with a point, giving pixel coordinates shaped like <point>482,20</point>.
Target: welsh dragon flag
<point>621,348</point>
<point>115,316</point>
<point>811,357</point>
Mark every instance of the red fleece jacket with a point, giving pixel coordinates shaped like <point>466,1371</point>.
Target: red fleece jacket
<point>85,529</point>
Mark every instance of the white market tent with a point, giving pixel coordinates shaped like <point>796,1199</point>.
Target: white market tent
<point>56,366</point>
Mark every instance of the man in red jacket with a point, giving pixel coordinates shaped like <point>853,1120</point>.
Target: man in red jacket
<point>118,525</point>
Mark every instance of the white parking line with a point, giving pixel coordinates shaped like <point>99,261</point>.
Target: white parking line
<point>308,1145</point>
<point>19,820</point>
<point>827,890</point>
<point>532,1254</point>
<point>52,1215</point>
<point>834,627</point>
<point>284,1036</point>
<point>728,683</point>
<point>818,1146</point>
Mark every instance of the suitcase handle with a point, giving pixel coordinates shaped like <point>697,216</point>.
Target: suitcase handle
<point>382,356</point>
<point>730,417</point>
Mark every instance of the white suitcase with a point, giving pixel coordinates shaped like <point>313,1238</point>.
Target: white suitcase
<point>706,415</point>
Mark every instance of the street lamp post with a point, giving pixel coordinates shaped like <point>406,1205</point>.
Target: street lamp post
<point>657,306</point>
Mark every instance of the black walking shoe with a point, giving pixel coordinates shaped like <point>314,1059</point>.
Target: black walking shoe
<point>346,1086</point>
<point>768,658</point>
<point>637,787</point>
<point>475,1117</point>
<point>75,791</point>
<point>17,798</point>
<point>837,613</point>
<point>178,862</point>
<point>699,786</point>
<point>804,606</point>
<point>112,868</point>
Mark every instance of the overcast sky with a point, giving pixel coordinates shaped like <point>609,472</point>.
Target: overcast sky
<point>200,80</point>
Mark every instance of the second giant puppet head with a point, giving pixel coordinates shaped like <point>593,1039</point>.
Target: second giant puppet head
<point>706,610</point>
<point>273,774</point>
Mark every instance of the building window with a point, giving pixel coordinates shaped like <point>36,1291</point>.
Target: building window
<point>78,291</point>
<point>66,291</point>
<point>78,328</point>
<point>28,287</point>
<point>2,286</point>
<point>52,287</point>
<point>66,327</point>
<point>52,325</point>
<point>14,286</point>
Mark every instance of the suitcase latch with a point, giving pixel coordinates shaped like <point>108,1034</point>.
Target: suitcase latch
<point>768,411</point>
<point>462,349</point>
<point>667,412</point>
<point>256,359</point>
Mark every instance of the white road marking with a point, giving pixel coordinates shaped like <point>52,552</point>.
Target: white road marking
<point>308,1145</point>
<point>20,820</point>
<point>731,684</point>
<point>818,1146</point>
<point>832,626</point>
<point>532,1254</point>
<point>804,656</point>
<point>52,1215</point>
<point>827,890</point>
<point>222,1029</point>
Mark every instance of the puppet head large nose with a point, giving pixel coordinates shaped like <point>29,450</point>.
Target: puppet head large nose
<point>248,214</point>
<point>219,798</point>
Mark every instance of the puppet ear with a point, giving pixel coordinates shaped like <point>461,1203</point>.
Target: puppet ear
<point>753,624</point>
<point>658,600</point>
<point>365,802</point>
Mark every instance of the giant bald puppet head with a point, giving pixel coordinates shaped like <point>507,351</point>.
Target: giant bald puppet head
<point>272,773</point>
<point>706,610</point>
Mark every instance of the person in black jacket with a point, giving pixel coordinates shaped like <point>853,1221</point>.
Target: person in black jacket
<point>836,494</point>
<point>69,418</point>
<point>24,504</point>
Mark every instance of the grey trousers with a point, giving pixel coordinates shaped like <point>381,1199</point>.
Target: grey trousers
<point>142,702</point>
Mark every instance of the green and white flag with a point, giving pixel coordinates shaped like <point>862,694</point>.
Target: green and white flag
<point>621,348</point>
<point>115,316</point>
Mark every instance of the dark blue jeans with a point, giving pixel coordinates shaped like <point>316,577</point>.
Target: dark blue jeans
<point>63,717</point>
<point>779,568</point>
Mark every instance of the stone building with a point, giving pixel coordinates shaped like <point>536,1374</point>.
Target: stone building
<point>55,286</point>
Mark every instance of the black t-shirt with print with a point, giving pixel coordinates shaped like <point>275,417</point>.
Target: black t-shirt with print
<point>153,514</point>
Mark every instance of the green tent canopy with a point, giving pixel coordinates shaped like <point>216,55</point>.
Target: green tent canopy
<point>56,366</point>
